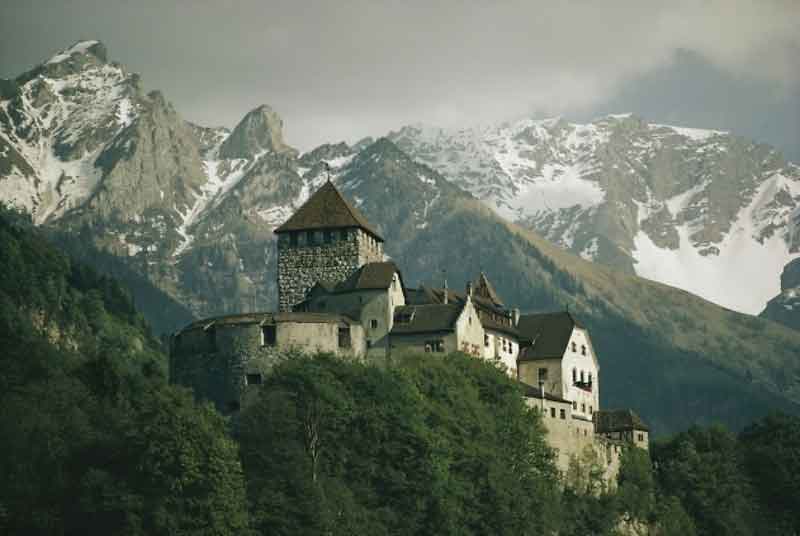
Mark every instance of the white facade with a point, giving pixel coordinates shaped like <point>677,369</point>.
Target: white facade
<point>580,375</point>
<point>502,347</point>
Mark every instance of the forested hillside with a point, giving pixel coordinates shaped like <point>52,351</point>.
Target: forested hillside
<point>94,440</point>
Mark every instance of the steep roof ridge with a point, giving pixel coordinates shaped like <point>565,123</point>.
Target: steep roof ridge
<point>484,287</point>
<point>317,208</point>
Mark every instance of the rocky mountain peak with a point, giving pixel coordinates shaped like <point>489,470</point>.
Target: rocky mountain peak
<point>261,130</point>
<point>71,60</point>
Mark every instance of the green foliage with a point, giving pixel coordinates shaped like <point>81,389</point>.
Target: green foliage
<point>434,445</point>
<point>93,439</point>
<point>636,486</point>
<point>771,450</point>
<point>702,467</point>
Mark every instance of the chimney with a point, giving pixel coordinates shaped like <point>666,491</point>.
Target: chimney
<point>515,315</point>
<point>445,291</point>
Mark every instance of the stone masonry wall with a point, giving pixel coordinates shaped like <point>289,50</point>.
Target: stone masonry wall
<point>302,265</point>
<point>216,362</point>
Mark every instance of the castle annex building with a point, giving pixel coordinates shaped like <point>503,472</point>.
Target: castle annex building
<point>337,293</point>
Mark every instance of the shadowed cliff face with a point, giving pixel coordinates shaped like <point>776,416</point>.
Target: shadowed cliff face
<point>785,307</point>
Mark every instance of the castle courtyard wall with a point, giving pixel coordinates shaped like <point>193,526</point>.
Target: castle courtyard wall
<point>225,362</point>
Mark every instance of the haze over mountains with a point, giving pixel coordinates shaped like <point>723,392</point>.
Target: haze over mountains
<point>86,150</point>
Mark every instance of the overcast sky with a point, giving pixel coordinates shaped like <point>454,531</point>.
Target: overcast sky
<point>343,69</point>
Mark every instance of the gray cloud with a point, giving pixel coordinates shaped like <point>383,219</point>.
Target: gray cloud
<point>345,69</point>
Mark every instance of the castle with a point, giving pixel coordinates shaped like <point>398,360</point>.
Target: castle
<point>337,293</point>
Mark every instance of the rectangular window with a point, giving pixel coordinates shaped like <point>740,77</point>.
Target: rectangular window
<point>486,341</point>
<point>641,437</point>
<point>583,408</point>
<point>543,374</point>
<point>583,349</point>
<point>211,338</point>
<point>268,335</point>
<point>293,238</point>
<point>344,337</point>
<point>343,234</point>
<point>310,238</point>
<point>553,412</point>
<point>563,413</point>
<point>373,323</point>
<point>575,406</point>
<point>328,237</point>
<point>253,379</point>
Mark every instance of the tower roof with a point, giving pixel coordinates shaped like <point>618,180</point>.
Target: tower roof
<point>327,209</point>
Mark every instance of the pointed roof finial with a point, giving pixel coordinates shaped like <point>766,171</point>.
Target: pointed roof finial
<point>327,169</point>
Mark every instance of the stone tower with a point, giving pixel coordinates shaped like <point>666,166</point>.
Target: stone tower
<point>326,240</point>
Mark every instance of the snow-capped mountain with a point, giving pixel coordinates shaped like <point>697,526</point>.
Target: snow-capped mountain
<point>701,210</point>
<point>191,210</point>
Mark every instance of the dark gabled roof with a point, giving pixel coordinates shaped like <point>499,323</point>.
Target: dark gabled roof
<point>428,295</point>
<point>529,391</point>
<point>549,333</point>
<point>426,318</point>
<point>484,289</point>
<point>327,209</point>
<point>618,420</point>
<point>371,276</point>
<point>489,323</point>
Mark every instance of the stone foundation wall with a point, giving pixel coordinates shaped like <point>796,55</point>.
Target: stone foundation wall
<point>223,363</point>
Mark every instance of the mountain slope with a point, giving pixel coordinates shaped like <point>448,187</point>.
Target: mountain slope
<point>192,209</point>
<point>697,209</point>
<point>681,359</point>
